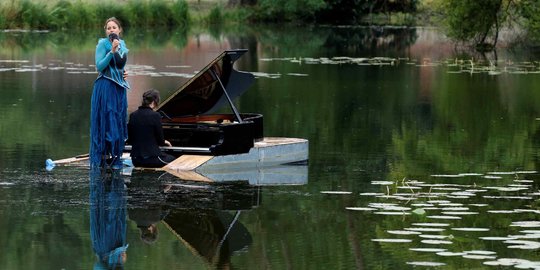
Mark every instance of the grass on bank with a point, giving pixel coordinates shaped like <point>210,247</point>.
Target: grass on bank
<point>77,14</point>
<point>65,14</point>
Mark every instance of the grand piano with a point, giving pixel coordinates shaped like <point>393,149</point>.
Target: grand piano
<point>190,121</point>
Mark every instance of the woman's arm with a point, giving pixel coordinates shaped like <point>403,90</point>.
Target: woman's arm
<point>103,55</point>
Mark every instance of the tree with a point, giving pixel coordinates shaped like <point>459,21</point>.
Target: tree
<point>478,21</point>
<point>530,11</point>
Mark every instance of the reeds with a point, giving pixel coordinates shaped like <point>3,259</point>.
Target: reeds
<point>64,14</point>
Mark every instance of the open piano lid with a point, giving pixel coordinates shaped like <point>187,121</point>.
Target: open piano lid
<point>203,93</point>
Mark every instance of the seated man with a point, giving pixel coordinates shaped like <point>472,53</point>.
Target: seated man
<point>145,134</point>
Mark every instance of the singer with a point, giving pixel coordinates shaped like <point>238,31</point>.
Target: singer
<point>108,116</point>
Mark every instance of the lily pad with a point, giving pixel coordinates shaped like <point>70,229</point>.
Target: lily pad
<point>434,264</point>
<point>481,252</point>
<point>402,232</point>
<point>496,238</point>
<point>434,236</point>
<point>383,183</point>
<point>526,224</point>
<point>388,240</point>
<point>449,254</point>
<point>443,217</point>
<point>436,242</point>
<point>370,194</point>
<point>336,192</point>
<point>391,213</point>
<point>432,224</point>
<point>479,257</point>
<point>428,249</point>
<point>360,208</point>
<point>523,244</point>
<point>471,229</point>
<point>420,229</point>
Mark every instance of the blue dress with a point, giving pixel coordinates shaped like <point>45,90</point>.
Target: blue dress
<point>108,116</point>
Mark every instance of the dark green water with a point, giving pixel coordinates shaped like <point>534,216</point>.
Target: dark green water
<point>426,144</point>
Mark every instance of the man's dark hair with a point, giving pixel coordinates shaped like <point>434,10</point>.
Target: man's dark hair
<point>149,97</point>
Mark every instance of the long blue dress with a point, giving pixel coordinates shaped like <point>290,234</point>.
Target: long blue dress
<point>108,116</point>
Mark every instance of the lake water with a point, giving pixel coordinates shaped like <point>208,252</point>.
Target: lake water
<point>421,155</point>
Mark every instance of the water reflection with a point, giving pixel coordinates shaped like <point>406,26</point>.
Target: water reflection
<point>204,217</point>
<point>108,218</point>
<point>435,120</point>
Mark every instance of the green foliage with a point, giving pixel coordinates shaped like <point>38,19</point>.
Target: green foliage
<point>160,13</point>
<point>284,10</point>
<point>180,13</point>
<point>34,15</point>
<point>64,14</point>
<point>220,16</point>
<point>138,9</point>
<point>479,22</point>
<point>530,10</point>
<point>216,16</point>
<point>471,20</point>
<point>353,11</point>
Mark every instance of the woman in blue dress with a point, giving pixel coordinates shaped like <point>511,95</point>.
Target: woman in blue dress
<point>108,126</point>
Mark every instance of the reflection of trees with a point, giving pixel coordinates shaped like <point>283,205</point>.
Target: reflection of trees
<point>473,130</point>
<point>370,40</point>
<point>86,40</point>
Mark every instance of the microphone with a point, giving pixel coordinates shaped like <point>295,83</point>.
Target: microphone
<point>113,36</point>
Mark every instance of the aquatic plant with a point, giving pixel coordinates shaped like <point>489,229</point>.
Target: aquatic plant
<point>64,14</point>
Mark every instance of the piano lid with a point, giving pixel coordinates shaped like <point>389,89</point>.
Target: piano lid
<point>203,93</point>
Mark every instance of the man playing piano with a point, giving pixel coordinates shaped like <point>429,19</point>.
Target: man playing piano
<point>145,134</point>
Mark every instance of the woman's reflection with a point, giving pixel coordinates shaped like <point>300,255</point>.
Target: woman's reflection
<point>108,218</point>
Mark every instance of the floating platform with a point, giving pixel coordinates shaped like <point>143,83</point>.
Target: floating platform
<point>272,161</point>
<point>271,151</point>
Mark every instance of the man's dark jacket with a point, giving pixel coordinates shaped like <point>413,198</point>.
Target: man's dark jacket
<point>145,133</point>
